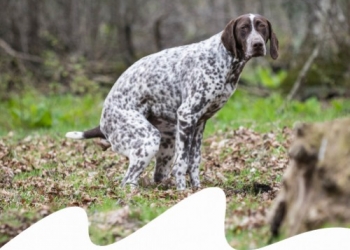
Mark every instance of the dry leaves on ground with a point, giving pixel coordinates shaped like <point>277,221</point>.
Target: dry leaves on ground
<point>42,174</point>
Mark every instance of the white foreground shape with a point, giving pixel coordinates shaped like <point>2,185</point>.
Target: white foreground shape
<point>195,223</point>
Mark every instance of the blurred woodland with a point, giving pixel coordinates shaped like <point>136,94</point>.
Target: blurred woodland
<point>81,45</point>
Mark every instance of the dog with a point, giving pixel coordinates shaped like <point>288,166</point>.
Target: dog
<point>159,106</point>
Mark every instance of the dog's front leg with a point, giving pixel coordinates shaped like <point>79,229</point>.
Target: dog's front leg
<point>195,157</point>
<point>186,128</point>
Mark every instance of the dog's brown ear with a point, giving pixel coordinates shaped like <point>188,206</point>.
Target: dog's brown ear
<point>228,38</point>
<point>273,43</point>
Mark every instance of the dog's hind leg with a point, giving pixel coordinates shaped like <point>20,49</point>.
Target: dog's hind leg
<point>136,138</point>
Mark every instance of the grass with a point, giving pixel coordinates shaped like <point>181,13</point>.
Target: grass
<point>58,114</point>
<point>244,153</point>
<point>265,114</point>
<point>49,114</point>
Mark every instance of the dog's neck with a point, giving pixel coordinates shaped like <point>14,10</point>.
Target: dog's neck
<point>233,65</point>
<point>234,72</point>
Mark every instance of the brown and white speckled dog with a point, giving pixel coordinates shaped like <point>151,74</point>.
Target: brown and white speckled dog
<point>159,106</point>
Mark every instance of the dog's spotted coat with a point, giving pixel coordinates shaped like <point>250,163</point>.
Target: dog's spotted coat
<point>159,106</point>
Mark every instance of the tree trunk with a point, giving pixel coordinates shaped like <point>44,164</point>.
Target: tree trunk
<point>157,32</point>
<point>34,43</point>
<point>315,188</point>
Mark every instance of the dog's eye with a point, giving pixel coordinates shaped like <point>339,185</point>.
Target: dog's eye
<point>262,26</point>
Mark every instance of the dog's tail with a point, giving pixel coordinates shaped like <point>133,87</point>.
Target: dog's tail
<point>88,134</point>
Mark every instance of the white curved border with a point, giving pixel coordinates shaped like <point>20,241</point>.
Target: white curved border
<point>195,223</point>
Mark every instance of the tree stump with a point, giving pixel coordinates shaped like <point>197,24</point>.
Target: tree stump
<point>315,188</point>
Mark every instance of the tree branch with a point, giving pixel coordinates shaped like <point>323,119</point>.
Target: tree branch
<point>303,72</point>
<point>20,55</point>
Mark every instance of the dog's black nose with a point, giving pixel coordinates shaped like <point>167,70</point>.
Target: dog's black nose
<point>258,45</point>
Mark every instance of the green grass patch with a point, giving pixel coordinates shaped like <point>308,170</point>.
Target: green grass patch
<point>58,114</point>
<point>49,114</point>
<point>266,114</point>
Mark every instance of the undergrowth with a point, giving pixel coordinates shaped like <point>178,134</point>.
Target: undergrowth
<point>60,113</point>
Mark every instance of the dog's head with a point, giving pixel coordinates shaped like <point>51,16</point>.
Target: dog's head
<point>246,37</point>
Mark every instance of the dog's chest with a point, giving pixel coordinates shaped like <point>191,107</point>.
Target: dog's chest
<point>219,94</point>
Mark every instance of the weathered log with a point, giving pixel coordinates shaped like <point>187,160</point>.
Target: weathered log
<point>315,188</point>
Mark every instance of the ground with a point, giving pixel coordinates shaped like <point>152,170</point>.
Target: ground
<point>244,153</point>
